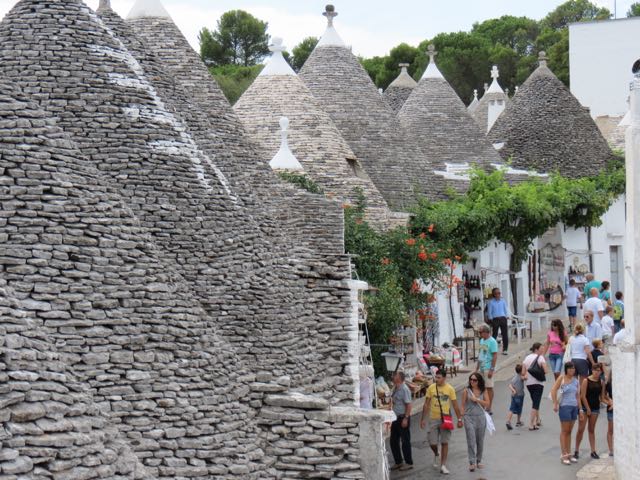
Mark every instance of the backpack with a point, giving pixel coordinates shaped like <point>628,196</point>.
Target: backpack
<point>617,311</point>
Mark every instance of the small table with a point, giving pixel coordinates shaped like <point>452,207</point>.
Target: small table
<point>538,319</point>
<point>458,342</point>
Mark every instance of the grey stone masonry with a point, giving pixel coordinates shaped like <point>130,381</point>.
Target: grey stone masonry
<point>400,89</point>
<point>545,128</point>
<point>345,91</point>
<point>445,134</point>
<point>313,139</point>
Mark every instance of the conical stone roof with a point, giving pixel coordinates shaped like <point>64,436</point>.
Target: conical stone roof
<point>304,232</point>
<point>345,91</point>
<point>474,102</point>
<point>400,89</point>
<point>544,128</point>
<point>448,139</point>
<point>127,328</point>
<point>494,99</point>
<point>313,138</point>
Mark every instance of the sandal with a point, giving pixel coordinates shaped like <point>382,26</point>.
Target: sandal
<point>472,468</point>
<point>531,429</point>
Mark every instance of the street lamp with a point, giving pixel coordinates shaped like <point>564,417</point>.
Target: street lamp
<point>514,222</point>
<point>392,361</point>
<point>584,211</point>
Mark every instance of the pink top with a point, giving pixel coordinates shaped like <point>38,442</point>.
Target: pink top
<point>555,344</point>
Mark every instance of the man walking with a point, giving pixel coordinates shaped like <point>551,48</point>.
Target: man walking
<point>573,297</point>
<point>594,330</point>
<point>498,312</point>
<point>487,358</point>
<point>591,283</point>
<point>595,305</point>
<point>440,398</point>
<point>400,428</point>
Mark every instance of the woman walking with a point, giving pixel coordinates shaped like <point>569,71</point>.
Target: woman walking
<point>591,395</point>
<point>580,347</point>
<point>535,362</point>
<point>555,345</point>
<point>474,403</point>
<point>605,293</point>
<point>566,400</point>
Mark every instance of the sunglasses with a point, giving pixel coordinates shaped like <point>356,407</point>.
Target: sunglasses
<point>473,379</point>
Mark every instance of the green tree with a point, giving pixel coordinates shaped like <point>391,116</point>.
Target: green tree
<point>239,39</point>
<point>402,53</point>
<point>574,11</point>
<point>634,10</point>
<point>302,51</point>
<point>235,79</point>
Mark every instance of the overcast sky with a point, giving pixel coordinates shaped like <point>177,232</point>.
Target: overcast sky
<point>372,27</point>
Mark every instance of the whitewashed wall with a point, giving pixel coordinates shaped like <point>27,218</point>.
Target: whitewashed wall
<point>600,58</point>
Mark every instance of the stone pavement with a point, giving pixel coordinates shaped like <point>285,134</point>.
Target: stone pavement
<point>517,454</point>
<point>598,469</point>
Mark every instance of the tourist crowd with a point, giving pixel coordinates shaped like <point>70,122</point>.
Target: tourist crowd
<point>581,392</point>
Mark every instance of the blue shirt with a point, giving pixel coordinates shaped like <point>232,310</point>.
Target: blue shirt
<point>485,353</point>
<point>497,308</point>
<point>594,331</point>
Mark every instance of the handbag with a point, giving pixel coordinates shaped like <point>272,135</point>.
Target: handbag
<point>567,351</point>
<point>447,420</point>
<point>536,371</point>
<point>491,428</point>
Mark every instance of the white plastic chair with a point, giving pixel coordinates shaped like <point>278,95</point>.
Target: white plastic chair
<point>519,327</point>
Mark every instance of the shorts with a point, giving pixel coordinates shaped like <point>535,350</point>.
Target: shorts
<point>555,359</point>
<point>437,435</point>
<point>573,311</point>
<point>517,401</point>
<point>568,413</point>
<point>488,382</point>
<point>610,415</point>
<point>536,395</point>
<point>582,366</point>
<point>594,411</point>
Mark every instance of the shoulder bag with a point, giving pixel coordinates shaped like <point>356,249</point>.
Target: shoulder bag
<point>447,420</point>
<point>536,371</point>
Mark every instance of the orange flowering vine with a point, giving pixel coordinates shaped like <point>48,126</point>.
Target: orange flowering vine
<point>411,242</point>
<point>423,235</point>
<point>432,228</point>
<point>385,261</point>
<point>423,256</point>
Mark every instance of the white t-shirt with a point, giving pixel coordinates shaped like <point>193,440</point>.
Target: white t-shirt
<point>577,344</point>
<point>607,325</point>
<point>526,364</point>
<point>619,337</point>
<point>595,305</point>
<point>573,294</point>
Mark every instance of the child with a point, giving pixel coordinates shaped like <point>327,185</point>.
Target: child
<point>618,311</point>
<point>516,387</point>
<point>607,323</point>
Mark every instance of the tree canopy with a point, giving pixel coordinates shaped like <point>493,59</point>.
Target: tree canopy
<point>239,39</point>
<point>301,52</point>
<point>634,10</point>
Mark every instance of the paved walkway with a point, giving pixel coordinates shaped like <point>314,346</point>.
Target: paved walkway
<point>520,454</point>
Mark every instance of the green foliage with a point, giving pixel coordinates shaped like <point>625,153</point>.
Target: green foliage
<point>239,39</point>
<point>301,181</point>
<point>302,51</point>
<point>574,11</point>
<point>235,79</point>
<point>634,10</point>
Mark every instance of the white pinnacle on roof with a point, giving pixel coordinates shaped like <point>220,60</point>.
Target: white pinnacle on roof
<point>104,4</point>
<point>495,86</point>
<point>277,65</point>
<point>148,8</point>
<point>330,36</point>
<point>285,159</point>
<point>474,103</point>
<point>432,70</point>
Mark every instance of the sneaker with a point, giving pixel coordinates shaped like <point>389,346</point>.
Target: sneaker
<point>573,459</point>
<point>444,470</point>
<point>505,353</point>
<point>509,427</point>
<point>405,467</point>
<point>397,466</point>
<point>595,456</point>
<point>576,455</point>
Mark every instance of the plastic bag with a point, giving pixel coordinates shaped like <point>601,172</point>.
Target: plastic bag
<point>491,428</point>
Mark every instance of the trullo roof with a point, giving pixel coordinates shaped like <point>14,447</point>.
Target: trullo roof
<point>545,128</point>
<point>345,91</point>
<point>494,97</point>
<point>400,89</point>
<point>437,121</point>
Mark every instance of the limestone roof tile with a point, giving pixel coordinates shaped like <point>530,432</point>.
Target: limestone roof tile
<point>400,89</point>
<point>545,128</point>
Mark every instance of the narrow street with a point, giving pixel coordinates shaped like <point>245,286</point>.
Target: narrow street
<point>519,454</point>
